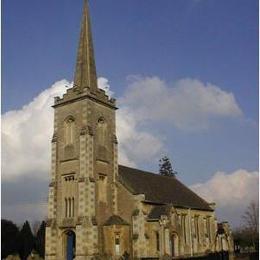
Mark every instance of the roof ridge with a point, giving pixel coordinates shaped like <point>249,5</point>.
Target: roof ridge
<point>146,172</point>
<point>144,182</point>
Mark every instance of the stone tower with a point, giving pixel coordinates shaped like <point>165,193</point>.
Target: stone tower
<point>84,168</point>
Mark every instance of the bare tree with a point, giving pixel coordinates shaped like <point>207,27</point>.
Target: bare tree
<point>251,221</point>
<point>251,217</point>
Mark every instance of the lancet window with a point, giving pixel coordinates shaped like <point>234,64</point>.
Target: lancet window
<point>69,131</point>
<point>208,227</point>
<point>197,228</point>
<point>157,238</point>
<point>183,225</point>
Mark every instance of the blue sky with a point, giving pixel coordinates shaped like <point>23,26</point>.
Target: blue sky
<point>215,41</point>
<point>212,41</point>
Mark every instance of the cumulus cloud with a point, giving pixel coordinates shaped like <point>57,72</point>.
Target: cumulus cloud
<point>26,135</point>
<point>104,84</point>
<point>188,103</point>
<point>136,145</point>
<point>232,192</point>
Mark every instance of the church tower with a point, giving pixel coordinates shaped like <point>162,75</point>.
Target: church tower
<point>84,167</point>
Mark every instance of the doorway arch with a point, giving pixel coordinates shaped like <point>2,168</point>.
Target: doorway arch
<point>70,245</point>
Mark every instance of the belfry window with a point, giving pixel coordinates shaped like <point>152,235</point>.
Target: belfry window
<point>69,207</point>
<point>69,131</point>
<point>102,139</point>
<point>72,208</point>
<point>66,207</point>
<point>102,188</point>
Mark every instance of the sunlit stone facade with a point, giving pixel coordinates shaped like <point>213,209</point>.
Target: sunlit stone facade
<point>98,209</point>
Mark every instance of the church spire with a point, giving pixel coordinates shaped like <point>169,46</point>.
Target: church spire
<point>85,73</point>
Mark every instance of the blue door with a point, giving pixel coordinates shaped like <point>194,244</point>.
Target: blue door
<point>71,242</point>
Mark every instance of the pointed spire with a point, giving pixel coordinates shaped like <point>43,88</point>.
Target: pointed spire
<point>85,73</point>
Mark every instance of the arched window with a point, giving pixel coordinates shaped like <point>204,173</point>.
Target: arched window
<point>157,239</point>
<point>102,188</point>
<point>69,211</point>
<point>72,213</point>
<point>66,207</point>
<point>183,225</point>
<point>208,231</point>
<point>197,231</point>
<point>69,133</point>
<point>102,139</point>
<point>101,131</point>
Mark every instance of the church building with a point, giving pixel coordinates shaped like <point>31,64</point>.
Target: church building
<point>98,209</point>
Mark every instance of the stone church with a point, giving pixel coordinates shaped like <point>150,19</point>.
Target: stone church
<point>98,209</point>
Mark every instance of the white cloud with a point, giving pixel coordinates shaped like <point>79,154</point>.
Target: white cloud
<point>103,84</point>
<point>232,192</point>
<point>135,145</point>
<point>189,103</point>
<point>26,135</point>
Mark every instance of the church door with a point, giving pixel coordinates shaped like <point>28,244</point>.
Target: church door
<point>71,244</point>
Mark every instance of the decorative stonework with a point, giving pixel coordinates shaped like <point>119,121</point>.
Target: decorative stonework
<point>83,179</point>
<point>68,222</point>
<point>83,220</point>
<point>115,139</point>
<point>91,179</point>
<point>90,130</point>
<point>54,138</point>
<point>136,212</point>
<point>94,221</point>
<point>50,222</point>
<point>83,130</point>
<point>53,184</point>
<point>72,96</point>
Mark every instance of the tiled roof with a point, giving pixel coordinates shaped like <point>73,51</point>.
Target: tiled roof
<point>115,220</point>
<point>160,189</point>
<point>158,211</point>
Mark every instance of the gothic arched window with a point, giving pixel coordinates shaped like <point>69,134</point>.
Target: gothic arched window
<point>69,133</point>
<point>72,209</point>
<point>66,207</point>
<point>102,139</point>
<point>157,240</point>
<point>69,208</point>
